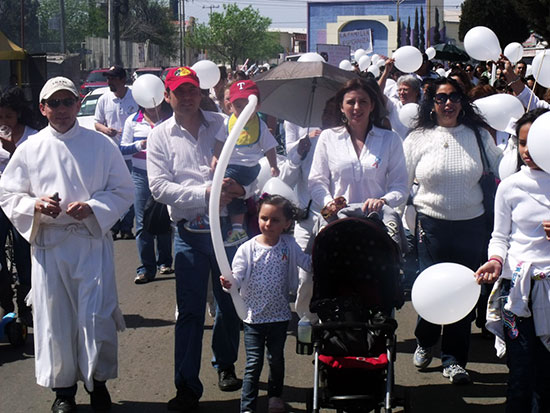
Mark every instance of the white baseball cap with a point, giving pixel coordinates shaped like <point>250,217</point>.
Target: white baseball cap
<point>56,84</point>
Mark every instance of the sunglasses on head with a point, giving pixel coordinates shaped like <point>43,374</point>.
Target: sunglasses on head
<point>442,98</point>
<point>54,103</point>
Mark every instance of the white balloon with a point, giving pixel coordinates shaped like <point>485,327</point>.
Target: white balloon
<point>311,57</point>
<point>529,70</point>
<point>265,171</point>
<point>441,72</point>
<point>208,73</point>
<point>408,59</point>
<point>345,65</point>
<point>358,54</point>
<point>381,63</point>
<point>499,108</point>
<point>275,186</point>
<point>541,68</point>
<point>538,141</point>
<point>481,43</point>
<point>375,58</point>
<point>430,52</point>
<point>148,91</point>
<point>508,164</point>
<point>374,69</point>
<point>364,62</point>
<point>408,114</point>
<point>514,52</point>
<point>445,293</point>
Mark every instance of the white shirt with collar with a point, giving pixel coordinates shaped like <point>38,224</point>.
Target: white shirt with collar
<point>379,172</point>
<point>178,165</point>
<point>113,111</point>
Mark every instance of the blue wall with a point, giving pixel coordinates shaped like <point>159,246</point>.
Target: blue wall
<point>319,14</point>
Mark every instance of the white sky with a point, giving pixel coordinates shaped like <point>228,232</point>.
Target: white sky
<point>283,13</point>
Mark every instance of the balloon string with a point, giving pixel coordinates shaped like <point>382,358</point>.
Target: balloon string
<point>535,83</point>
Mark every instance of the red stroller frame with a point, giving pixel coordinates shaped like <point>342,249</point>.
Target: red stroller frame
<point>355,292</point>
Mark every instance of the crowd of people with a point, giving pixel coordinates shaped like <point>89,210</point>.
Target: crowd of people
<point>65,214</point>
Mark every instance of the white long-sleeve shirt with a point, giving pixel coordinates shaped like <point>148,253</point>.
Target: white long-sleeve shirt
<point>446,163</point>
<point>379,171</point>
<point>178,165</point>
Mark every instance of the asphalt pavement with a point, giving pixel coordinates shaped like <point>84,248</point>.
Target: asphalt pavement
<point>146,354</point>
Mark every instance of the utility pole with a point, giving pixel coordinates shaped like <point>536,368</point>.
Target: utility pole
<point>116,31</point>
<point>397,3</point>
<point>22,24</point>
<point>181,12</point>
<point>429,14</point>
<point>211,7</point>
<point>110,32</point>
<point>62,26</point>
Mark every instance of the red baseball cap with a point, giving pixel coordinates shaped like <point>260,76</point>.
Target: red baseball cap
<point>180,75</point>
<point>242,89</point>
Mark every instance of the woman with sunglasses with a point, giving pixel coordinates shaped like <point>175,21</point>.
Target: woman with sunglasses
<point>443,157</point>
<point>15,127</point>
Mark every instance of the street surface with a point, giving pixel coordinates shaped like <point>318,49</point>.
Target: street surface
<point>145,380</point>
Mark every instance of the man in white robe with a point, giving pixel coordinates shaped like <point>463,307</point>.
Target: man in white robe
<point>63,190</point>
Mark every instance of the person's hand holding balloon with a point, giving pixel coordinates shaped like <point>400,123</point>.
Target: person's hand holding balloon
<point>489,272</point>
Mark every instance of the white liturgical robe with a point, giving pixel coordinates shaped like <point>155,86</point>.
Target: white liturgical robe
<point>74,297</point>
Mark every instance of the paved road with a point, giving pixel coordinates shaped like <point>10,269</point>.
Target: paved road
<point>146,363</point>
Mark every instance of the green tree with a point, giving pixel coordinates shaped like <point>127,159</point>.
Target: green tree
<point>422,33</point>
<point>498,15</point>
<point>82,18</point>
<point>415,30</point>
<point>535,13</point>
<point>437,35</point>
<point>150,20</point>
<point>399,33</point>
<point>235,35</point>
<point>408,33</point>
<point>10,16</point>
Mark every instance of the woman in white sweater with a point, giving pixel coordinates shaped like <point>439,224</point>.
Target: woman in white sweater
<point>443,156</point>
<point>519,252</point>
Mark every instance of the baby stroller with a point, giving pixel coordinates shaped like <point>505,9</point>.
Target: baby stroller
<point>355,292</point>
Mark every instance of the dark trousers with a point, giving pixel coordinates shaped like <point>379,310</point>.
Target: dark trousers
<point>462,242</point>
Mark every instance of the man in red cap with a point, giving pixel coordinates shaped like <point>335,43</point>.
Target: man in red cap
<point>179,152</point>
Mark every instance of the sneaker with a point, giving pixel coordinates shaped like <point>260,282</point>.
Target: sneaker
<point>235,238</point>
<point>100,399</point>
<point>227,380</point>
<point>276,405</point>
<point>64,404</point>
<point>165,269</point>
<point>422,357</point>
<point>142,278</point>
<point>457,374</point>
<point>200,224</point>
<point>185,401</point>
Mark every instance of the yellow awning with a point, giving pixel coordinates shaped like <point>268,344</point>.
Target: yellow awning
<point>9,50</point>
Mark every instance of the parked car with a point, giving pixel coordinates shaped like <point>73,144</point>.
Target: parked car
<point>147,70</point>
<point>94,80</point>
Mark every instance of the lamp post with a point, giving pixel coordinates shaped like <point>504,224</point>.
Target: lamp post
<point>181,10</point>
<point>397,3</point>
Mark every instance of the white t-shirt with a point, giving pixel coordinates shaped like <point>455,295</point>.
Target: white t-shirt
<point>112,111</point>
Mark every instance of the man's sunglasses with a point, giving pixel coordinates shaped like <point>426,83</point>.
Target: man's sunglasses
<point>54,103</point>
<point>442,98</point>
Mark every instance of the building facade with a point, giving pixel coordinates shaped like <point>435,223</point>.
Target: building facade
<point>378,26</point>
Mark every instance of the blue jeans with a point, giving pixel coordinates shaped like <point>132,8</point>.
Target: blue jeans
<point>146,241</point>
<point>244,175</point>
<point>257,337</point>
<point>463,242</point>
<point>529,363</point>
<point>126,222</point>
<point>22,252</point>
<point>195,262</point>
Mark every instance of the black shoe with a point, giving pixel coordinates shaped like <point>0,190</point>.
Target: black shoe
<point>127,235</point>
<point>115,235</point>
<point>185,401</point>
<point>64,404</point>
<point>227,380</point>
<point>100,399</point>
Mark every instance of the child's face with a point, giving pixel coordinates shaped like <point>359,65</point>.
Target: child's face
<point>522,147</point>
<point>238,105</point>
<point>228,109</point>
<point>272,221</point>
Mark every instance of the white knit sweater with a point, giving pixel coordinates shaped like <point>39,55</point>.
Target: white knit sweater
<point>446,163</point>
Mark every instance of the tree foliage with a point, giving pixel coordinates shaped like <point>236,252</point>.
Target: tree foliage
<point>422,33</point>
<point>150,20</point>
<point>10,16</point>
<point>536,13</point>
<point>408,33</point>
<point>437,35</point>
<point>499,16</point>
<point>416,31</point>
<point>235,35</point>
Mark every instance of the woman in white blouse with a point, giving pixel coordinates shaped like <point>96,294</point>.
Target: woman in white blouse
<point>361,160</point>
